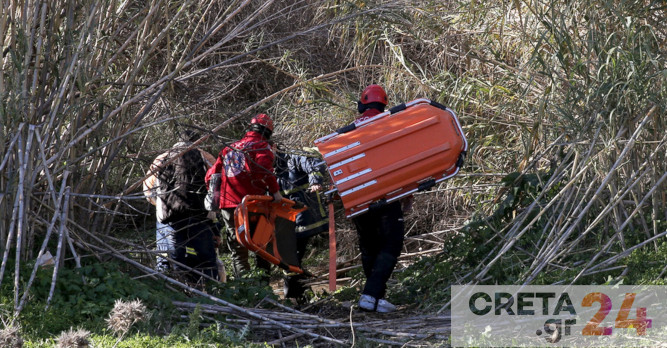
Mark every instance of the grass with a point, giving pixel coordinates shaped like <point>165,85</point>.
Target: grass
<point>89,306</point>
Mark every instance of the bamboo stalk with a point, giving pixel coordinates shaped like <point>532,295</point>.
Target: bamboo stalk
<point>271,44</point>
<point>3,28</point>
<point>625,252</point>
<point>12,143</point>
<point>77,259</point>
<point>45,242</point>
<point>514,235</point>
<point>23,167</point>
<point>233,32</point>
<point>234,8</point>
<point>30,29</point>
<point>109,222</point>
<point>69,74</point>
<point>607,178</point>
<point>395,328</point>
<point>39,55</point>
<point>10,237</point>
<point>282,340</point>
<point>60,253</point>
<point>634,180</point>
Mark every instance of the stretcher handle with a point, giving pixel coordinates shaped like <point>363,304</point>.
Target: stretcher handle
<point>330,195</point>
<point>284,201</point>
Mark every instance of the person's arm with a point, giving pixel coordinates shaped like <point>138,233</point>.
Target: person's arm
<point>215,168</point>
<point>150,184</point>
<point>264,160</point>
<point>314,167</point>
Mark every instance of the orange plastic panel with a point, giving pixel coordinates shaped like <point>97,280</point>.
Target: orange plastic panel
<point>390,156</point>
<point>255,220</point>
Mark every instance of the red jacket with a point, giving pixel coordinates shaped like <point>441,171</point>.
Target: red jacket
<point>366,115</point>
<point>247,167</point>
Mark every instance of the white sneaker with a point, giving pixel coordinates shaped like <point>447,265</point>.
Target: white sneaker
<point>385,306</point>
<point>370,303</point>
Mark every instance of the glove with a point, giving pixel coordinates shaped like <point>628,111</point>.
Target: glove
<point>277,197</point>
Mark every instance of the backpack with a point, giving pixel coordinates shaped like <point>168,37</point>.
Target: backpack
<point>183,187</point>
<point>233,162</point>
<point>212,199</point>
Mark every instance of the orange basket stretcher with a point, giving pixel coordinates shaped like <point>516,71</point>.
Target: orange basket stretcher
<point>267,228</point>
<point>409,148</point>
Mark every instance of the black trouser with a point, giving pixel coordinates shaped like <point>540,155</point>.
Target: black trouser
<point>294,287</point>
<point>380,242</point>
<point>194,246</point>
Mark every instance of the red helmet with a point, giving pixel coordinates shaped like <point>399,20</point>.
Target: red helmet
<point>374,93</point>
<point>262,120</point>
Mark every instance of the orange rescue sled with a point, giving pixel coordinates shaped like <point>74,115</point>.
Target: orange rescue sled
<point>267,228</point>
<point>407,149</point>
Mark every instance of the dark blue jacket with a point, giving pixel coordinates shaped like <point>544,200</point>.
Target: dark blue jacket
<point>296,173</point>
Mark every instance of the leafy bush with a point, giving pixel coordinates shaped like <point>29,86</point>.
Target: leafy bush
<point>82,297</point>
<point>425,283</point>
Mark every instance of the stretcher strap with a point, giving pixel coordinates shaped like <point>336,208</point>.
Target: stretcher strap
<point>332,249</point>
<point>275,247</point>
<point>274,240</point>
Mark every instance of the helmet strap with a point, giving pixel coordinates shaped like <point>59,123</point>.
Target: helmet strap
<point>361,107</point>
<point>374,105</point>
<point>265,132</point>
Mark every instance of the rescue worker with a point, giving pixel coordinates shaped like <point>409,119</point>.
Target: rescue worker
<point>301,178</point>
<point>380,229</point>
<point>177,189</point>
<point>247,169</point>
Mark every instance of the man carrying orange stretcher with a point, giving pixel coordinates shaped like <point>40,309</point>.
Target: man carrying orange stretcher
<point>376,165</point>
<point>380,230</point>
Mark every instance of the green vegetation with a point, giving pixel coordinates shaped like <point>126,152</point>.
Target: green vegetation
<point>87,304</point>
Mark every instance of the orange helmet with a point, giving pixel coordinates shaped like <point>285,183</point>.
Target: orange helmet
<point>374,93</point>
<point>262,120</point>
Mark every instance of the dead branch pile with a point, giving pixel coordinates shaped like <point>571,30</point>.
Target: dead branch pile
<point>296,326</point>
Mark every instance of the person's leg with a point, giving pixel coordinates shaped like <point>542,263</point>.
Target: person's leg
<point>196,250</point>
<point>178,252</point>
<point>390,243</point>
<point>201,239</point>
<point>240,262</point>
<point>294,287</point>
<point>264,266</point>
<point>165,243</point>
<point>367,226</point>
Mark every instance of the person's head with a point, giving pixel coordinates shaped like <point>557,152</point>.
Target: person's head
<point>372,97</point>
<point>262,124</point>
